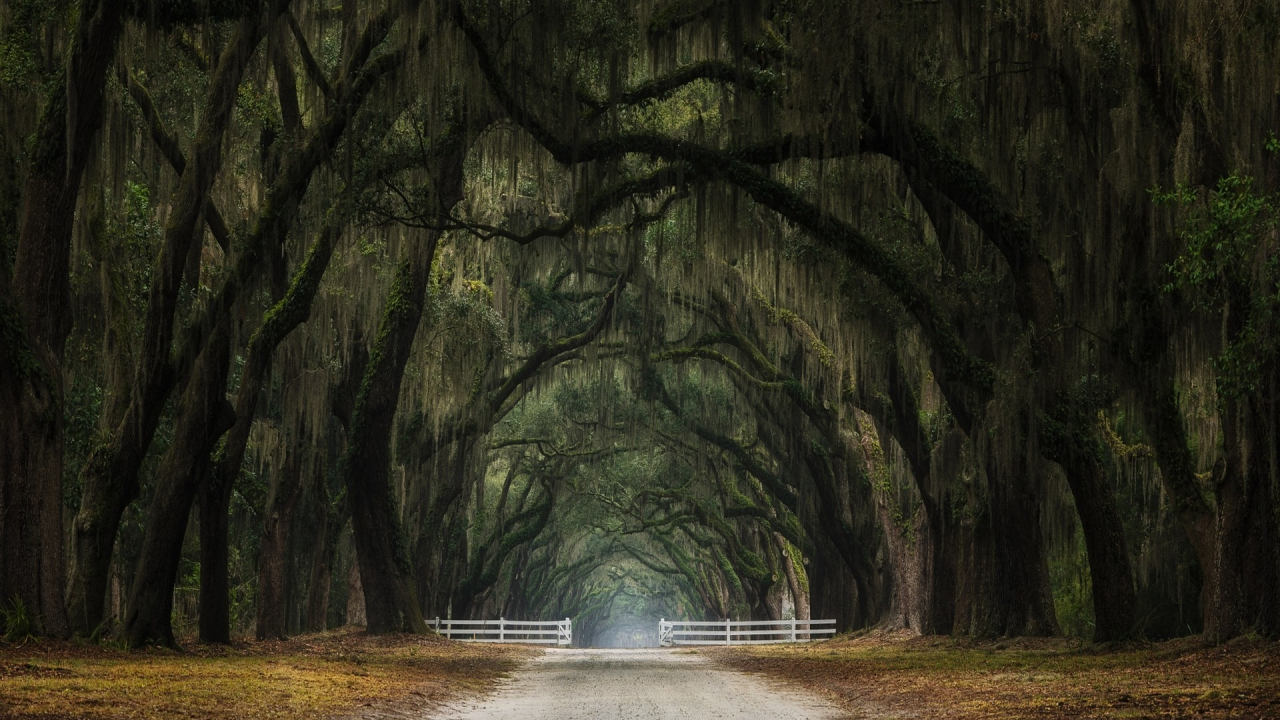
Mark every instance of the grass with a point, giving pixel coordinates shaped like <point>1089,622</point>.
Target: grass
<point>896,675</point>
<point>333,674</point>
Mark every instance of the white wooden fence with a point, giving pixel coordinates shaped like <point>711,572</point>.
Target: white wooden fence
<point>742,632</point>
<point>551,632</point>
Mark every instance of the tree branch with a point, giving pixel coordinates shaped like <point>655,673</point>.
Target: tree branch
<point>169,148</point>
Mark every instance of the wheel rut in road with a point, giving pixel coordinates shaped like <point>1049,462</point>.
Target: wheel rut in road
<point>654,684</point>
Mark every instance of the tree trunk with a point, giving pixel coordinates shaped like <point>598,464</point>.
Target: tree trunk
<point>206,415</point>
<point>273,561</point>
<point>934,470</point>
<point>385,569</point>
<point>907,576</point>
<point>833,594</point>
<point>858,542</point>
<point>433,554</point>
<point>1151,374</point>
<point>1009,574</point>
<point>453,562</point>
<point>390,600</point>
<point>1068,439</point>
<point>286,314</point>
<point>939,544</point>
<point>110,476</point>
<point>775,593</point>
<point>904,552</point>
<point>1247,547</point>
<point>1114,597</point>
<point>31,566</point>
<point>215,590</point>
<point>34,324</point>
<point>317,616</point>
<point>799,592</point>
<point>356,614</point>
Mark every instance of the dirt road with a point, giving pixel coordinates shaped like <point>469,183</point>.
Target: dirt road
<point>635,684</point>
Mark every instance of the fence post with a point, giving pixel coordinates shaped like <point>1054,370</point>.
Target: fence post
<point>793,629</point>
<point>502,628</point>
<point>727,632</point>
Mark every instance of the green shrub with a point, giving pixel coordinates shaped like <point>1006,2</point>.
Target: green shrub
<point>19,626</point>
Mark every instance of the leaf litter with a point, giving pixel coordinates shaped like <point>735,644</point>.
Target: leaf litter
<point>342,673</point>
<point>899,675</point>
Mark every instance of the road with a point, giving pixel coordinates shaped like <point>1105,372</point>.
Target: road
<point>635,684</point>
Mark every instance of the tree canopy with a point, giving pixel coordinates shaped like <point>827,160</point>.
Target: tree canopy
<point>955,317</point>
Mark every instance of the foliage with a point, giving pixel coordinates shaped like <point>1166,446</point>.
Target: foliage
<point>1072,589</point>
<point>671,251</point>
<point>19,624</point>
<point>1230,268</point>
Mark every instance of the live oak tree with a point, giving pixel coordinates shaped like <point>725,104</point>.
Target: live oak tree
<point>958,318</point>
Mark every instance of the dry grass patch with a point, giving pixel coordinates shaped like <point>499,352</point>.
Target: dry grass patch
<point>896,675</point>
<point>334,674</point>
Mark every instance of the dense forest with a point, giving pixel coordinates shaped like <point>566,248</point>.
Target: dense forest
<point>956,317</point>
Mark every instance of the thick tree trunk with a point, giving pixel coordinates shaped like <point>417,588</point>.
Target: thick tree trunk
<point>907,580</point>
<point>385,570</point>
<point>453,563</point>
<point>799,591</point>
<point>390,601</point>
<point>859,542</point>
<point>827,514</point>
<point>1164,423</point>
<point>1068,440</point>
<point>30,502</point>
<point>31,548</point>
<point>285,315</point>
<point>109,477</point>
<point>206,415</point>
<point>935,470</point>
<point>356,614</point>
<point>833,594</point>
<point>273,560</point>
<point>1009,574</point>
<point>215,590</point>
<point>321,576</point>
<point>433,547</point>
<point>1247,548</point>
<point>939,544</point>
<point>1114,597</point>
<point>318,593</point>
<point>34,324</point>
<point>773,595</point>
<point>937,568</point>
<point>1021,600</point>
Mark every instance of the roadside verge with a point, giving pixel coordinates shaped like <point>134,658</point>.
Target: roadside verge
<point>340,673</point>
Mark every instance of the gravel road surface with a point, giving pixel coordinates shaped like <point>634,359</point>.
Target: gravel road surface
<point>639,684</point>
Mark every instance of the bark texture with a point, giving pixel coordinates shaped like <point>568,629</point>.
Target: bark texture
<point>35,322</point>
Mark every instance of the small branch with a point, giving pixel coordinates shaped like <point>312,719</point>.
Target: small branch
<point>169,148</point>
<point>308,60</point>
<point>664,87</point>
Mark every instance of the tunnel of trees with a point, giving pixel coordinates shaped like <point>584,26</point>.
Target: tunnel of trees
<point>956,317</point>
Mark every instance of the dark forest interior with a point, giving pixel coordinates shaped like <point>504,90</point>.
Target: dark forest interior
<point>959,318</point>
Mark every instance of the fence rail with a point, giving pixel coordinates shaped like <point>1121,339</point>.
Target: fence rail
<point>742,632</point>
<point>541,632</point>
